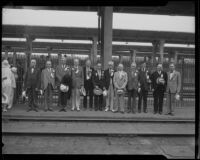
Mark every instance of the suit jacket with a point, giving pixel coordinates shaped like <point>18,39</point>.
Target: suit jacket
<point>120,83</point>
<point>108,78</point>
<point>77,77</point>
<point>67,80</point>
<point>60,72</point>
<point>99,80</point>
<point>32,79</point>
<point>155,86</point>
<point>174,84</point>
<point>47,77</point>
<point>132,80</point>
<point>88,83</point>
<point>142,78</point>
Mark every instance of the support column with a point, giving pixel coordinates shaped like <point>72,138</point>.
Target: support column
<point>176,57</point>
<point>120,58</point>
<point>161,50</point>
<point>106,35</point>
<point>6,52</point>
<point>133,56</point>
<point>93,53</point>
<point>154,51</point>
<point>14,58</point>
<point>29,41</point>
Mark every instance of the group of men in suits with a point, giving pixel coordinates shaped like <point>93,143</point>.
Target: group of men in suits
<point>99,86</point>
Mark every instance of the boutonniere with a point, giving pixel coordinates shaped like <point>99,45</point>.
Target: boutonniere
<point>66,68</point>
<point>102,73</point>
<point>135,73</point>
<point>96,73</point>
<point>161,75</point>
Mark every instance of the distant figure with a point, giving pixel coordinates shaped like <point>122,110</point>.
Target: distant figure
<point>32,85</point>
<point>48,85</point>
<point>173,88</point>
<point>132,87</point>
<point>77,84</point>
<point>120,82</point>
<point>159,84</point>
<point>109,85</point>
<point>88,72</point>
<point>8,84</point>
<point>144,84</point>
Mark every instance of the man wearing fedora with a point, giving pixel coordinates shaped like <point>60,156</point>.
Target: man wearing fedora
<point>173,88</point>
<point>99,86</point>
<point>88,84</point>
<point>120,82</point>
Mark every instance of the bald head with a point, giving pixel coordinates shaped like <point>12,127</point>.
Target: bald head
<point>110,64</point>
<point>88,63</point>
<point>76,61</point>
<point>120,67</point>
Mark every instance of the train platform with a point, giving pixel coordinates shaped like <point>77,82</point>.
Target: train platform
<point>19,111</point>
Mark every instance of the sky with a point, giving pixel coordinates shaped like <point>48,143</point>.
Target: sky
<point>90,20</point>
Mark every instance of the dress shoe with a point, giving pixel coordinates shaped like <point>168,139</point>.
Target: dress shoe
<point>128,111</point>
<point>78,109</point>
<point>50,109</point>
<point>122,112</point>
<point>139,111</point>
<point>145,111</point>
<point>45,109</point>
<point>107,109</point>
<point>62,110</point>
<point>72,109</point>
<point>155,112</point>
<point>35,109</point>
<point>160,113</point>
<point>172,114</point>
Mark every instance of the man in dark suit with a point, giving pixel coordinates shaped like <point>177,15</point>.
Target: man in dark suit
<point>159,84</point>
<point>98,82</point>
<point>109,85</point>
<point>32,84</point>
<point>48,84</point>
<point>88,84</point>
<point>144,84</point>
<point>65,96</point>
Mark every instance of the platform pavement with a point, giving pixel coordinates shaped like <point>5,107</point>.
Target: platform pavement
<point>20,110</point>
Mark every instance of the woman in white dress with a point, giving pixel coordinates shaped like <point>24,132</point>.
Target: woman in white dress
<point>8,84</point>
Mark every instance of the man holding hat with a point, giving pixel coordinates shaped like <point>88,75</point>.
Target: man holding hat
<point>61,70</point>
<point>173,88</point>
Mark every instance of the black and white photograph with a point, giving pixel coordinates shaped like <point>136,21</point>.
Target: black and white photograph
<point>99,80</point>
